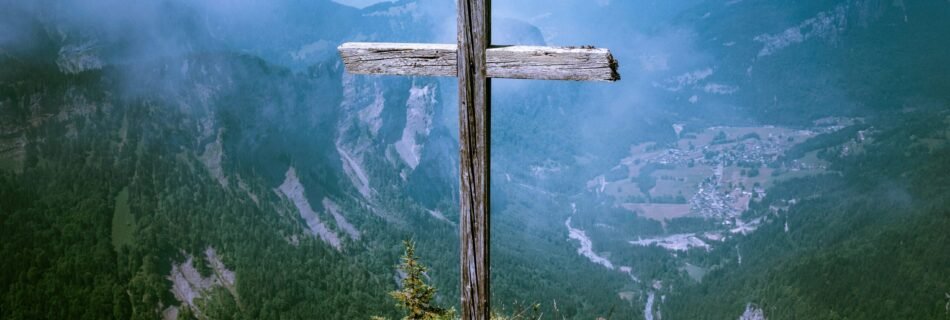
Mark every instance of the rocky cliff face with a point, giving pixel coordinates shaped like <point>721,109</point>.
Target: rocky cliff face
<point>308,131</point>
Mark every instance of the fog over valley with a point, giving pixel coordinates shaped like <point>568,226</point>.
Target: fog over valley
<point>211,159</point>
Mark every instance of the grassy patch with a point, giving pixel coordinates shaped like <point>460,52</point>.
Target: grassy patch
<point>658,211</point>
<point>695,272</point>
<point>123,222</point>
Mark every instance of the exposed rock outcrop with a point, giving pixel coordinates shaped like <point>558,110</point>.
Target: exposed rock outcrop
<point>295,193</point>
<point>188,285</point>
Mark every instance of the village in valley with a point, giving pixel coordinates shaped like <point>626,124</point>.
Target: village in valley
<point>712,173</point>
<point>706,180</point>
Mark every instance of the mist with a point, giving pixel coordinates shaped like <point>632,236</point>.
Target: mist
<point>123,33</point>
<point>746,142</point>
<point>148,42</point>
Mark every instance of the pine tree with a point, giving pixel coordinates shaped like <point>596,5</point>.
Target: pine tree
<point>416,296</point>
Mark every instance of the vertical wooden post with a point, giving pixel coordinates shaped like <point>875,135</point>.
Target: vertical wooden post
<point>474,139</point>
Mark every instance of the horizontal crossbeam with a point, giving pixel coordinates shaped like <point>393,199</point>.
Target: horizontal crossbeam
<point>514,62</point>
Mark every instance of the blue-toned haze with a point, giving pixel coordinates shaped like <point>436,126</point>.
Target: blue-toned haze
<point>212,159</point>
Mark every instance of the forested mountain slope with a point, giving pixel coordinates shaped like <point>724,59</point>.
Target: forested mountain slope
<point>870,241</point>
<point>211,181</point>
<point>197,159</point>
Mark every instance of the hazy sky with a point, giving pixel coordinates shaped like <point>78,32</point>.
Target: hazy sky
<point>360,3</point>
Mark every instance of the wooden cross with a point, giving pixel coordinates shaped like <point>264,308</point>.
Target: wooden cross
<point>474,60</point>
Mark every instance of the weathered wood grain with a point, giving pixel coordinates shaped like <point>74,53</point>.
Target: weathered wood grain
<point>474,62</point>
<point>474,149</point>
<point>416,59</point>
<point>516,62</point>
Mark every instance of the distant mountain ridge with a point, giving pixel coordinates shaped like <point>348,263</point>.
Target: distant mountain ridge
<point>235,130</point>
<point>325,171</point>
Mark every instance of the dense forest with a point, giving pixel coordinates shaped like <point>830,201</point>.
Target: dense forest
<point>165,168</point>
<point>125,155</point>
<point>868,243</point>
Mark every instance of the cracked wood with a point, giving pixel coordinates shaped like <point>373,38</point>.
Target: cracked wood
<point>515,62</point>
<point>474,61</point>
<point>474,37</point>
